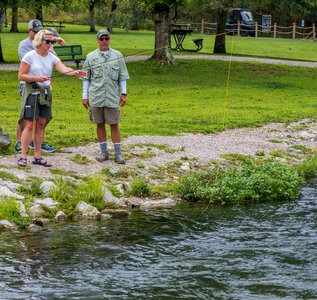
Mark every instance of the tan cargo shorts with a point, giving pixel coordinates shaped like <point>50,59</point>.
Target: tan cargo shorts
<point>106,115</point>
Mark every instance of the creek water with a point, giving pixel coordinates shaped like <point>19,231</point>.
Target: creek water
<point>259,251</point>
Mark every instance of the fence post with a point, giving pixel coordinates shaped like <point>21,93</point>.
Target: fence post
<point>294,31</point>
<point>238,33</point>
<point>256,29</point>
<point>202,26</point>
<point>274,28</point>
<point>314,32</point>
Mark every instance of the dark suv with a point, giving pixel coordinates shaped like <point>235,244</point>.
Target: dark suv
<point>247,23</point>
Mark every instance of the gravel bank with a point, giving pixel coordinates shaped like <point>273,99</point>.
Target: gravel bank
<point>194,147</point>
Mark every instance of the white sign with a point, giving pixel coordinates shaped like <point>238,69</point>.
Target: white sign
<point>266,22</point>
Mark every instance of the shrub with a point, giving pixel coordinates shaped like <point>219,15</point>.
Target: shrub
<point>268,181</point>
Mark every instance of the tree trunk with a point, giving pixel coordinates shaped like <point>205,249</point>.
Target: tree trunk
<point>220,41</point>
<point>92,16</point>
<point>14,19</point>
<point>1,56</point>
<point>162,24</point>
<point>2,19</point>
<point>110,23</point>
<point>114,5</point>
<point>39,11</point>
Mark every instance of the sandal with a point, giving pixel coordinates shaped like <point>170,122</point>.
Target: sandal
<point>41,161</point>
<point>22,162</point>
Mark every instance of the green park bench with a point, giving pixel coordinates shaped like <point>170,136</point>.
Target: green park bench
<point>70,52</point>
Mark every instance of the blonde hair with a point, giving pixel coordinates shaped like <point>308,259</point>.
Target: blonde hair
<point>39,36</point>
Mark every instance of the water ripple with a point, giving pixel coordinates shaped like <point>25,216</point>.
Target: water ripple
<point>259,251</point>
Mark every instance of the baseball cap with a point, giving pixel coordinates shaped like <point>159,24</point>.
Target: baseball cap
<point>102,32</point>
<point>53,30</point>
<point>35,25</point>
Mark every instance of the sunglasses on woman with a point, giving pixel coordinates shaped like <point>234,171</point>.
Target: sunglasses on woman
<point>49,41</point>
<point>104,39</point>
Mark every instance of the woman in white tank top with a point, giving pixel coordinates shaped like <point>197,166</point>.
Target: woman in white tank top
<point>36,67</point>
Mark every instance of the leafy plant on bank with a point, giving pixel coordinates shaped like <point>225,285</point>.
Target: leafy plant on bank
<point>269,181</point>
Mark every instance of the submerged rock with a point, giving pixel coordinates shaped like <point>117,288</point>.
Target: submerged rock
<point>116,213</point>
<point>105,216</point>
<point>60,216</point>
<point>41,221</point>
<point>5,224</point>
<point>88,211</point>
<point>155,203</point>
<point>33,227</point>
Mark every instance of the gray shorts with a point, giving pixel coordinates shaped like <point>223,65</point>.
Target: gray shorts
<point>42,111</point>
<point>106,115</point>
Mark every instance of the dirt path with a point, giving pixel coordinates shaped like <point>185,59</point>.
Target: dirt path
<point>144,153</point>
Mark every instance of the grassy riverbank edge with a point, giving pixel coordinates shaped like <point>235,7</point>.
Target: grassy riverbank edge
<point>239,179</point>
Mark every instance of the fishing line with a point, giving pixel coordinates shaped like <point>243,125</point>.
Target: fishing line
<point>223,124</point>
<point>134,54</point>
<point>169,46</point>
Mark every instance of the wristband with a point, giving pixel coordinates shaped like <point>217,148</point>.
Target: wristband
<point>123,94</point>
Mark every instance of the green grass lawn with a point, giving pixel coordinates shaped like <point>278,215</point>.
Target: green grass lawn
<point>187,98</point>
<point>131,42</point>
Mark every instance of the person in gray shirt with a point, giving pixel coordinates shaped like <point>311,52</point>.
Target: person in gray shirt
<point>24,47</point>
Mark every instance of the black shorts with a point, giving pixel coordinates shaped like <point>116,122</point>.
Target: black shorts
<point>41,111</point>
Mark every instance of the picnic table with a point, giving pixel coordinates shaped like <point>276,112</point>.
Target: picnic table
<point>179,33</point>
<point>54,24</point>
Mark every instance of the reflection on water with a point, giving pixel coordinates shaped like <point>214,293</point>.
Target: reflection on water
<point>262,251</point>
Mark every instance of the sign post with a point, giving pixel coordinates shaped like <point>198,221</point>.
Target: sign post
<point>266,23</point>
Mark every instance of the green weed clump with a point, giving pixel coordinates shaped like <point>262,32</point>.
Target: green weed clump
<point>69,194</point>
<point>91,191</point>
<point>5,175</point>
<point>80,159</point>
<point>33,190</point>
<point>308,168</point>
<point>140,188</point>
<point>269,181</point>
<point>10,210</point>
